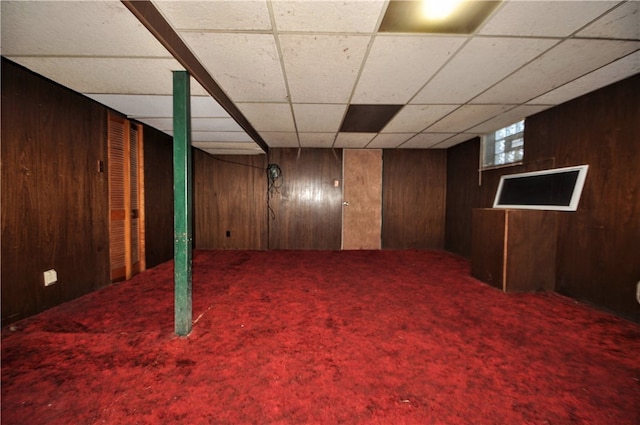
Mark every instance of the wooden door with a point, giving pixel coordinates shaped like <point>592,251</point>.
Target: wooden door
<point>126,198</point>
<point>362,199</point>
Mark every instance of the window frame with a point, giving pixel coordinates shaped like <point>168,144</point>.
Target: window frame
<point>490,140</point>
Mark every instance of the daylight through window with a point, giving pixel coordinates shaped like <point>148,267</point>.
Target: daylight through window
<point>504,146</point>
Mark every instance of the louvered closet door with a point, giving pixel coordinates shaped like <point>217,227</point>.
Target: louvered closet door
<point>136,197</point>
<point>125,194</point>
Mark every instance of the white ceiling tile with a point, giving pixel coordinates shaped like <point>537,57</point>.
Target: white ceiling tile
<point>565,62</point>
<point>322,68</point>
<point>618,70</point>
<point>466,117</point>
<point>139,105</point>
<point>106,75</point>
<point>455,140</point>
<point>417,117</point>
<point>256,151</point>
<point>162,124</point>
<point>425,140</point>
<point>512,116</point>
<point>225,145</point>
<point>490,59</point>
<point>216,15</point>
<point>197,124</point>
<point>318,118</point>
<point>157,106</point>
<point>61,28</point>
<point>196,88</point>
<point>316,140</point>
<point>220,136</point>
<point>622,23</point>
<point>206,106</point>
<point>280,139</point>
<point>544,18</point>
<point>389,140</point>
<point>247,66</point>
<point>327,16</point>
<point>353,140</point>
<point>398,66</point>
<point>268,116</point>
<point>215,124</point>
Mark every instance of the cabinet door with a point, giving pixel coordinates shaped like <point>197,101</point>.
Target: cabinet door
<point>530,250</point>
<point>488,246</point>
<point>514,250</point>
<point>126,247</point>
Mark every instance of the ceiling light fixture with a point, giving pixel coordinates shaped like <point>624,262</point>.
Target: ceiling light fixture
<point>428,16</point>
<point>437,10</point>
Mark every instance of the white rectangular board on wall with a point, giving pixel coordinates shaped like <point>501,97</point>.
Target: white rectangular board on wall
<point>557,189</point>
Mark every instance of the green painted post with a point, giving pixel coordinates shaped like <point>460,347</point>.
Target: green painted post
<point>182,202</point>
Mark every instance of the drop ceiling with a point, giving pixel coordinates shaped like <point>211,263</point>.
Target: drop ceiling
<point>291,69</point>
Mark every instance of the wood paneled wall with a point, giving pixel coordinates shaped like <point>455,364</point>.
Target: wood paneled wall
<point>413,193</point>
<point>306,207</point>
<point>463,194</point>
<point>158,195</point>
<point>54,196</point>
<point>230,201</point>
<point>598,245</point>
<point>55,205</point>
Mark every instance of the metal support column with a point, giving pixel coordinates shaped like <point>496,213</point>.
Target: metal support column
<point>182,191</point>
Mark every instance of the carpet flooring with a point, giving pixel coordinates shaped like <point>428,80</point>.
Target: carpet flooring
<point>322,337</point>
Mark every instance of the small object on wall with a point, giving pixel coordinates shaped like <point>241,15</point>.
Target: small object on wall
<point>274,172</point>
<point>336,183</point>
<point>50,277</point>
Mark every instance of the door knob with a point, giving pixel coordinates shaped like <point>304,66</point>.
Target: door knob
<point>345,203</point>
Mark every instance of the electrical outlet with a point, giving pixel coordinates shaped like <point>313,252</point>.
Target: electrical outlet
<point>638,292</point>
<point>50,277</point>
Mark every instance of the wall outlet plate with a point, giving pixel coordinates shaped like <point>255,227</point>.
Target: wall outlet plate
<point>50,277</point>
<point>638,292</point>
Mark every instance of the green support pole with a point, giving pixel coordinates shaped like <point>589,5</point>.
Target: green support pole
<point>182,202</point>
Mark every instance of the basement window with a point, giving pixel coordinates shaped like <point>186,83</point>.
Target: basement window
<point>503,147</point>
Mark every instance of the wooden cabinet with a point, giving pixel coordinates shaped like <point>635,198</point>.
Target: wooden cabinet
<point>514,250</point>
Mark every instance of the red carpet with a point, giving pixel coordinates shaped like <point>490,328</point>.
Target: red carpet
<point>308,337</point>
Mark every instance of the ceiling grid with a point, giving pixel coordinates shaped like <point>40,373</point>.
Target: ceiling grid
<point>292,69</point>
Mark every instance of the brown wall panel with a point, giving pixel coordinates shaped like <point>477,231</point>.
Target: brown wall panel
<point>158,195</point>
<point>54,197</point>
<point>463,195</point>
<point>488,245</point>
<point>597,248</point>
<point>413,199</point>
<point>230,195</point>
<point>307,208</point>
